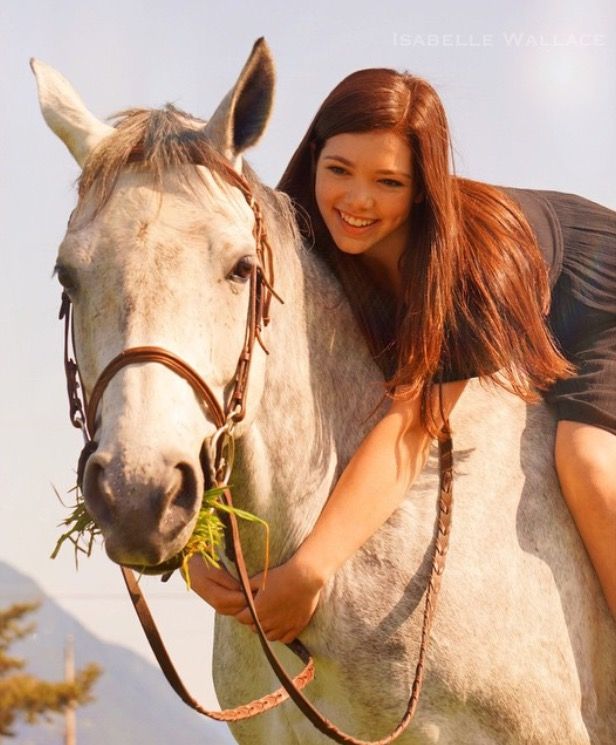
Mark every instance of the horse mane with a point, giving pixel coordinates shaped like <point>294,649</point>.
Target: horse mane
<point>158,140</point>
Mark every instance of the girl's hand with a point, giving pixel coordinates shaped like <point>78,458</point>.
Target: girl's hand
<point>287,603</point>
<point>216,586</point>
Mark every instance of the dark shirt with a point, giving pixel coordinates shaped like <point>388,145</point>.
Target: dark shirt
<point>542,218</point>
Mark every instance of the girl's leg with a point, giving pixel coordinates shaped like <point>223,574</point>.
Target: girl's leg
<point>586,466</point>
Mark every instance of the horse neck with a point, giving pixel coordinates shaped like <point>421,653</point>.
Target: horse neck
<point>320,387</point>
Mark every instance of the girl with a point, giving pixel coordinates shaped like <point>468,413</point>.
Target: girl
<point>449,279</point>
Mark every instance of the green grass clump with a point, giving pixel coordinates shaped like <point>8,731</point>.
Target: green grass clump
<point>207,539</point>
<point>82,530</point>
<point>208,533</point>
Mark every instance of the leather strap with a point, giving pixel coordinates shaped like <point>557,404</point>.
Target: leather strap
<point>134,356</point>
<point>258,706</point>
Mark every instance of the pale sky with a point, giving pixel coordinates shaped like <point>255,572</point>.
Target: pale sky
<point>531,98</point>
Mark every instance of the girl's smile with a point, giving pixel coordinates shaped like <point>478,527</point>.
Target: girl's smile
<point>355,222</point>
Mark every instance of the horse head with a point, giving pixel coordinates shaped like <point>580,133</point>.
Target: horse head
<point>161,244</point>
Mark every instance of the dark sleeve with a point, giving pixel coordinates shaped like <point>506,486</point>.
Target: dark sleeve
<point>537,208</point>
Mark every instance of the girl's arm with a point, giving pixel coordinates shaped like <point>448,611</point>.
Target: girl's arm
<point>372,486</point>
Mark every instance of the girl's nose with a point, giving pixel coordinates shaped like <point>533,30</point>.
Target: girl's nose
<point>359,198</point>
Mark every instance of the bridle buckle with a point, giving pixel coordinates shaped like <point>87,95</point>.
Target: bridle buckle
<point>220,447</point>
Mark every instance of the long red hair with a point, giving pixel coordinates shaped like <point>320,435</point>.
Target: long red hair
<point>476,289</point>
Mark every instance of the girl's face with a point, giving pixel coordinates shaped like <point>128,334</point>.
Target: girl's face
<point>364,191</point>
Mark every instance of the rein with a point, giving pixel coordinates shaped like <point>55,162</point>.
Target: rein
<point>220,447</point>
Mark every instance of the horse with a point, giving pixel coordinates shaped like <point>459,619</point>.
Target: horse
<point>157,252</point>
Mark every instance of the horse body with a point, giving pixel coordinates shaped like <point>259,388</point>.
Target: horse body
<point>523,649</point>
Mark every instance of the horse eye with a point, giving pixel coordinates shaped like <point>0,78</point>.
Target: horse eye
<point>242,270</point>
<point>65,278</point>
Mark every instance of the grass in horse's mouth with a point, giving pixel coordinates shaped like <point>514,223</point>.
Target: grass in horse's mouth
<point>207,539</point>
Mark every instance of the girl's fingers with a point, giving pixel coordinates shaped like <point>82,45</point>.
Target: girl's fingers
<point>223,578</point>
<point>201,572</point>
<point>273,635</point>
<point>230,609</point>
<point>244,617</point>
<point>224,601</point>
<point>228,582</point>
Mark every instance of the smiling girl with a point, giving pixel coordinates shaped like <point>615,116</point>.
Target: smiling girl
<point>449,279</point>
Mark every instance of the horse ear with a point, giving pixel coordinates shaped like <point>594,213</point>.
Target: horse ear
<point>66,114</point>
<point>241,118</point>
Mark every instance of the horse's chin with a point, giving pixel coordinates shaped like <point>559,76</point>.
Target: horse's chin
<point>145,560</point>
<point>166,567</point>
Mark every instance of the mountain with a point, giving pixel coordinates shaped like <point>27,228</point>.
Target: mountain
<point>133,704</point>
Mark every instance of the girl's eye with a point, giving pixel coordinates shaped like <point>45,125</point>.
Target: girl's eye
<point>242,270</point>
<point>338,170</point>
<point>392,182</point>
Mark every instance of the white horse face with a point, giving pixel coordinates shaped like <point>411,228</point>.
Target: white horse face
<point>170,273</point>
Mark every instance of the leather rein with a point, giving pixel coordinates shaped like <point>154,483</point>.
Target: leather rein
<point>220,447</point>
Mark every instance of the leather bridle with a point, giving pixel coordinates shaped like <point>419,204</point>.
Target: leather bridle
<point>83,413</point>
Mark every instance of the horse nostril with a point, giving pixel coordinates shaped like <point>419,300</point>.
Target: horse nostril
<point>186,496</point>
<point>96,492</point>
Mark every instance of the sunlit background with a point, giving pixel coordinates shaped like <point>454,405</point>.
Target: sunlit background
<point>531,97</point>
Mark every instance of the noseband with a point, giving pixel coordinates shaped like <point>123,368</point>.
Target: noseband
<point>83,414</point>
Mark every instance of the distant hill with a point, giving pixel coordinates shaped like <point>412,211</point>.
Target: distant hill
<point>134,704</point>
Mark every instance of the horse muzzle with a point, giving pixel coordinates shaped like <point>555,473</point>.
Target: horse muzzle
<point>145,506</point>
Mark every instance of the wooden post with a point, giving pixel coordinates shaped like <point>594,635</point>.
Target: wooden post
<point>70,715</point>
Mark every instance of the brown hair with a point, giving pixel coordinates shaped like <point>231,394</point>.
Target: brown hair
<point>475,285</point>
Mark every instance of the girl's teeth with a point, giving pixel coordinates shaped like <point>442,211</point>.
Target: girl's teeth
<point>355,221</point>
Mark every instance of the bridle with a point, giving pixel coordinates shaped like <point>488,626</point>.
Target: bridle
<point>220,448</point>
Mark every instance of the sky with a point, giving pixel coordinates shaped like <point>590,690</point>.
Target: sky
<point>530,92</point>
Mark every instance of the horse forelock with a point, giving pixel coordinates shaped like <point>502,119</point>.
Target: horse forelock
<point>159,140</point>
<point>156,139</point>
